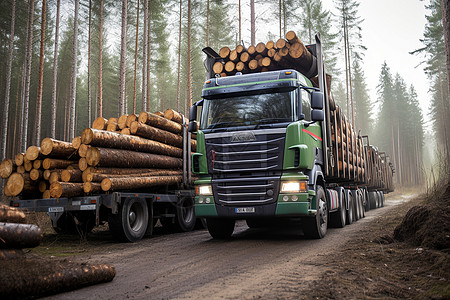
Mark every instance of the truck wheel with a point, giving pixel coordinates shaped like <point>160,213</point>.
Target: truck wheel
<point>373,200</point>
<point>338,218</point>
<point>185,214</point>
<point>355,196</point>
<point>366,201</point>
<point>378,199</point>
<point>316,227</point>
<point>220,228</point>
<point>362,211</point>
<point>130,224</point>
<point>350,207</point>
<point>381,199</point>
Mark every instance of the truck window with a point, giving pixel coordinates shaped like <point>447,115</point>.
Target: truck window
<point>247,110</point>
<point>306,104</point>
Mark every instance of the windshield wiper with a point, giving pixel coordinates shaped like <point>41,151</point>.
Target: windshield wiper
<point>271,121</point>
<point>221,124</point>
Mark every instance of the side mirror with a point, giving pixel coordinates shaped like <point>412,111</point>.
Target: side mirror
<point>317,115</point>
<point>316,100</point>
<point>193,126</point>
<point>193,113</point>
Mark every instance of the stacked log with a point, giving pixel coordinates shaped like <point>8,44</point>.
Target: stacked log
<point>23,277</point>
<point>284,53</point>
<point>127,153</point>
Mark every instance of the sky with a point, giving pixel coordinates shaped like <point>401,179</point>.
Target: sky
<point>390,30</point>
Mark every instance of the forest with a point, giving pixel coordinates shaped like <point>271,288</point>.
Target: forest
<point>65,63</point>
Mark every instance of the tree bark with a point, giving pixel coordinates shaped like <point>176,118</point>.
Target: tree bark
<point>132,183</point>
<point>160,122</point>
<point>71,175</point>
<point>73,90</point>
<point>66,189</point>
<point>92,187</point>
<point>152,133</point>
<point>123,56</point>
<point>179,56</point>
<point>144,59</point>
<point>175,116</point>
<point>100,64</point>
<point>127,142</point>
<point>37,136</point>
<point>4,133</point>
<point>19,236</point>
<point>135,58</point>
<point>445,4</point>
<point>89,66</point>
<point>98,177</point>
<point>51,163</point>
<point>56,148</point>
<point>104,157</point>
<point>11,214</point>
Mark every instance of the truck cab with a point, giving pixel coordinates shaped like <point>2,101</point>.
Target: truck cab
<point>259,151</point>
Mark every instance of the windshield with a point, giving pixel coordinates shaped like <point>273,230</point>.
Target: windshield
<point>248,110</point>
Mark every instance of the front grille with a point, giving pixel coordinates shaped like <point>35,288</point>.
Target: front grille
<point>246,191</point>
<point>263,152</point>
<point>246,165</point>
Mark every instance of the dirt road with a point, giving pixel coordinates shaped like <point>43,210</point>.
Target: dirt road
<point>255,263</point>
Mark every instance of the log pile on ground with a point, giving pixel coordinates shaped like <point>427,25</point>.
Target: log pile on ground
<point>30,277</point>
<point>129,152</point>
<point>288,53</point>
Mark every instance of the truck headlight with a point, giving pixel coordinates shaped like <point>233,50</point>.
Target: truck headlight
<point>294,187</point>
<point>204,190</point>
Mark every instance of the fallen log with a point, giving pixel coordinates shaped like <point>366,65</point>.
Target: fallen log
<point>51,163</point>
<point>163,136</point>
<point>160,122</point>
<point>20,183</point>
<point>104,157</point>
<point>7,167</point>
<point>19,236</point>
<point>99,123</point>
<point>175,116</point>
<point>37,278</point>
<point>130,183</point>
<point>66,189</point>
<point>32,153</point>
<point>71,175</point>
<point>98,177</point>
<point>19,159</point>
<point>8,254</point>
<point>92,187</point>
<point>11,214</point>
<point>114,140</point>
<point>56,148</point>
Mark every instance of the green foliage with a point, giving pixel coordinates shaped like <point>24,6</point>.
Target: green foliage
<point>361,99</point>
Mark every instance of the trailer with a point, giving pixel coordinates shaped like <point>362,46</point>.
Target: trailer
<point>273,145</point>
<point>130,214</point>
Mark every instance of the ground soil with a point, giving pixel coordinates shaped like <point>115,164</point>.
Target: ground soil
<point>360,261</point>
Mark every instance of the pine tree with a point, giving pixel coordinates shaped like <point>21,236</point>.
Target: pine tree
<point>363,106</point>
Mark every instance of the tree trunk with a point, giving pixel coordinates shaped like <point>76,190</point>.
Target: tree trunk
<point>98,177</point>
<point>160,122</point>
<point>72,175</point>
<point>252,23</point>
<point>114,140</point>
<point>66,189</point>
<point>144,58</point>
<point>89,66</point>
<point>159,135</point>
<point>37,128</point>
<point>11,214</point>
<point>134,183</point>
<point>4,133</point>
<point>123,56</point>
<point>175,116</point>
<point>57,148</point>
<point>179,57</point>
<point>114,171</point>
<point>19,183</point>
<point>51,163</point>
<point>26,95</point>
<point>104,157</point>
<point>7,167</point>
<point>73,90</point>
<point>100,63</point>
<point>189,75</point>
<point>135,58</point>
<point>55,72</point>
<point>446,24</point>
<point>20,236</point>
<point>92,187</point>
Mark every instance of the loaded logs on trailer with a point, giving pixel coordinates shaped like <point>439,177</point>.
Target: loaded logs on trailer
<point>352,159</point>
<point>118,154</point>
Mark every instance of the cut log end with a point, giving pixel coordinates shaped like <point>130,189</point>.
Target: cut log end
<point>32,153</point>
<point>6,168</point>
<point>76,142</point>
<point>99,123</point>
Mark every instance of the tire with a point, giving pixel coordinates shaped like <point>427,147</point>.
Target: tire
<point>373,200</point>
<point>339,217</point>
<point>356,208</point>
<point>220,228</point>
<point>366,199</point>
<point>185,215</point>
<point>316,227</point>
<point>75,223</point>
<point>362,203</point>
<point>381,199</point>
<point>349,207</point>
<point>130,224</point>
<point>378,200</point>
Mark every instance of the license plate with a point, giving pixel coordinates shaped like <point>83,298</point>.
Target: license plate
<point>87,207</point>
<point>240,210</point>
<point>55,209</point>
